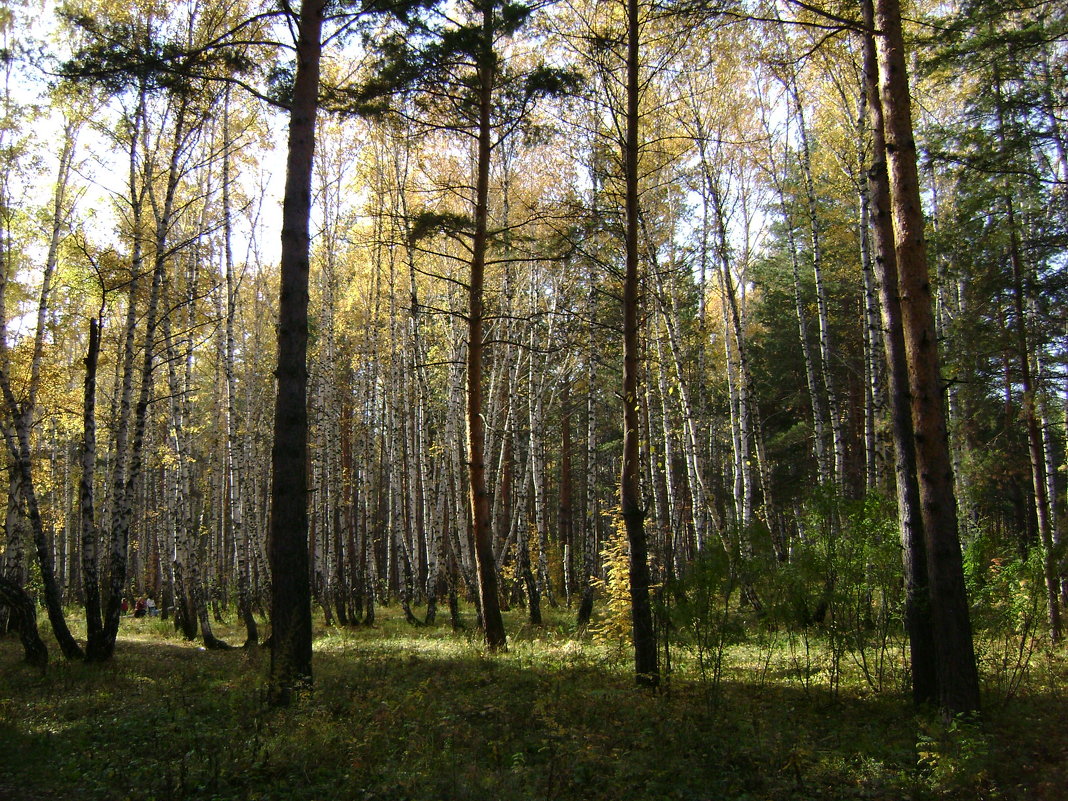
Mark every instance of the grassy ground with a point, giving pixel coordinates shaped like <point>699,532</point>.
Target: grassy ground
<point>405,713</point>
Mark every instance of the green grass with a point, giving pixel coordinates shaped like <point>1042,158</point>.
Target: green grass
<point>420,713</point>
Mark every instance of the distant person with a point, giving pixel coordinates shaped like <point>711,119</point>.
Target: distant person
<point>139,607</point>
<point>125,608</point>
<point>150,606</point>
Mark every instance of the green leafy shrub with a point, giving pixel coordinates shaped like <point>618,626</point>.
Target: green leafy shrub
<point>842,582</point>
<point>699,614</point>
<point>1007,594</point>
<point>953,755</point>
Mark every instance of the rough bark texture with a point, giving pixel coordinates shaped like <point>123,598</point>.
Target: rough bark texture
<point>955,655</point>
<point>86,491</point>
<point>914,554</point>
<point>291,637</point>
<point>646,667</point>
<point>492,621</point>
<point>24,620</point>
<point>19,445</point>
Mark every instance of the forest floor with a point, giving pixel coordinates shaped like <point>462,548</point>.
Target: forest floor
<point>422,713</point>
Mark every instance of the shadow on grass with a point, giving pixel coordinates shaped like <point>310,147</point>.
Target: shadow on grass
<point>420,714</point>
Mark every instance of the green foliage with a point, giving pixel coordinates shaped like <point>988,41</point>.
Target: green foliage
<point>123,52</point>
<point>954,755</point>
<point>1003,586</point>
<point>698,609</point>
<point>402,713</point>
<point>1007,593</point>
<point>844,578</point>
<point>428,223</point>
<point>845,569</point>
<point>439,64</point>
<point>703,596</point>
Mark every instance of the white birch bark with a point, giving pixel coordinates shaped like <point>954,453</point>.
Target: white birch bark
<point>823,313</point>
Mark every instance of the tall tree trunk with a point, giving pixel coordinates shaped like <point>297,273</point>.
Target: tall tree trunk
<point>564,516</point>
<point>1036,447</point>
<point>536,417</point>
<point>872,339</point>
<point>824,466</point>
<point>909,506</point>
<point>235,484</point>
<point>188,560</point>
<point>476,438</point>
<point>22,414</point>
<point>955,653</point>
<point>127,469</point>
<point>823,312</point>
<point>646,667</point>
<point>590,512</point>
<point>90,535</point>
<point>291,635</point>
<point>19,445</point>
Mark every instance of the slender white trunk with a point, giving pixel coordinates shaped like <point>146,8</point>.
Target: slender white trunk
<point>823,313</point>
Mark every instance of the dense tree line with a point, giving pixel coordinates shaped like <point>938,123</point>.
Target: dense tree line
<point>559,280</point>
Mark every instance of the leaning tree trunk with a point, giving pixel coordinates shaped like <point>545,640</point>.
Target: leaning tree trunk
<point>703,514</point>
<point>19,445</point>
<point>24,619</point>
<point>126,483</point>
<point>22,414</point>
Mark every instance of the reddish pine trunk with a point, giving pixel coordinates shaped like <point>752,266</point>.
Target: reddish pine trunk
<point>914,554</point>
<point>493,623</point>
<point>955,655</point>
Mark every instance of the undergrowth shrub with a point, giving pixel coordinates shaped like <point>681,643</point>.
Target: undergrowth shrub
<point>1007,594</point>
<point>842,583</point>
<point>614,626</point>
<point>699,615</point>
<point>954,755</point>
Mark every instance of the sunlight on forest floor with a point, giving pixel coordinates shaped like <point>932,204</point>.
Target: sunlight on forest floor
<point>401,712</point>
